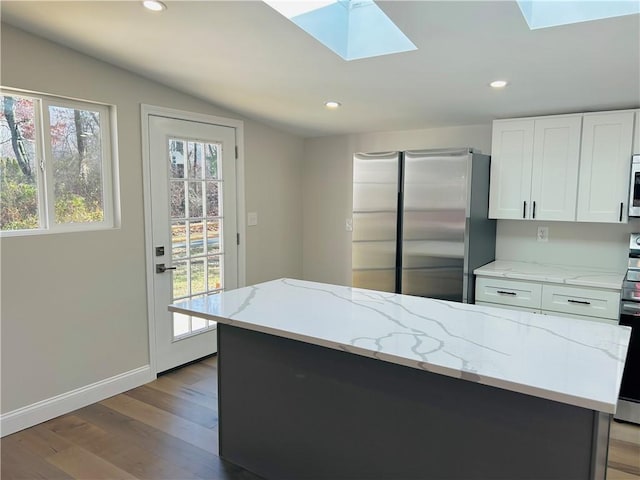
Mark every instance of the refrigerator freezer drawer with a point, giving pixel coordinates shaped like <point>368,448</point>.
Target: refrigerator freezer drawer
<point>371,197</point>
<point>366,255</point>
<point>435,181</point>
<point>434,168</point>
<point>382,280</point>
<point>439,283</point>
<point>376,168</point>
<point>450,196</point>
<point>434,225</point>
<point>374,226</point>
<point>424,254</point>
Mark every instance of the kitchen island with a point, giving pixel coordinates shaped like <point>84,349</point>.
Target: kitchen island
<point>324,381</point>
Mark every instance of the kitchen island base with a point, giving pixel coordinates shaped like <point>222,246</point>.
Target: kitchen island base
<point>293,410</point>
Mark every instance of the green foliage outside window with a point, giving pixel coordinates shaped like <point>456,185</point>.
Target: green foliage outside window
<point>73,145</point>
<point>18,198</point>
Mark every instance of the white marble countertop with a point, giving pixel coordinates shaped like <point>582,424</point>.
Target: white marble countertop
<point>562,359</point>
<point>541,272</point>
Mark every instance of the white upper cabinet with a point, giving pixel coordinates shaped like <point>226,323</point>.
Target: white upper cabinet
<point>636,136</point>
<point>534,168</point>
<point>512,154</point>
<point>605,165</point>
<point>554,179</point>
<point>564,167</point>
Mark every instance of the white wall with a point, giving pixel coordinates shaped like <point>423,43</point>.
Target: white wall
<point>327,189</point>
<point>594,245</point>
<point>74,305</point>
<point>273,191</point>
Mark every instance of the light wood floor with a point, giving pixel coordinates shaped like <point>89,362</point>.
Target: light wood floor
<point>167,429</point>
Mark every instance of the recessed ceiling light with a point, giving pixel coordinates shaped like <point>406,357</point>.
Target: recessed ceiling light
<point>154,5</point>
<point>332,104</point>
<point>499,83</point>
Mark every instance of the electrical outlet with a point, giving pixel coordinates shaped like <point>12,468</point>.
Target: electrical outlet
<point>543,234</point>
<point>349,225</point>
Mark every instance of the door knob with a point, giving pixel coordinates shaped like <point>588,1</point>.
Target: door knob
<point>160,268</point>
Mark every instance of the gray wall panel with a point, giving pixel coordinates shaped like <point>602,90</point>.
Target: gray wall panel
<point>290,410</point>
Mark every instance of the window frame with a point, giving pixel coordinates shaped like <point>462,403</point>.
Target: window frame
<point>43,164</point>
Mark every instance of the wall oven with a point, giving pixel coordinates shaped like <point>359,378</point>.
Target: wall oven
<point>629,402</point>
<point>634,190</point>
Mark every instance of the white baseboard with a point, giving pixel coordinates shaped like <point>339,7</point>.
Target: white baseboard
<point>44,410</point>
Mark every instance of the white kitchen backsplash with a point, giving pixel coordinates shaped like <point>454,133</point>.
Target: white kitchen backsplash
<point>592,245</point>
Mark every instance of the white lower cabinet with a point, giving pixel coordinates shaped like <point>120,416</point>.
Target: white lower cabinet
<point>581,301</point>
<point>586,303</point>
<point>509,292</point>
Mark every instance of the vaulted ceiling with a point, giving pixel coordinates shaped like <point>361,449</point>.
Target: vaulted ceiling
<point>244,56</point>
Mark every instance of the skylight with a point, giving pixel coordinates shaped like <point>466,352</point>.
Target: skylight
<point>353,29</point>
<point>545,13</point>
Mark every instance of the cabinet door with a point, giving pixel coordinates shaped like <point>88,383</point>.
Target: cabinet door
<point>605,163</point>
<point>511,156</point>
<point>556,153</point>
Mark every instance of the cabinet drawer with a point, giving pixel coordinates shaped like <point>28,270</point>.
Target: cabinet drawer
<point>581,301</point>
<point>508,292</point>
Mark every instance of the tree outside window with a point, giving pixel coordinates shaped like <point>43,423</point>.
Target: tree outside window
<point>54,164</point>
<point>18,175</point>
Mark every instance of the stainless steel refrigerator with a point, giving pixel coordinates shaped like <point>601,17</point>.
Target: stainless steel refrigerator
<point>420,223</point>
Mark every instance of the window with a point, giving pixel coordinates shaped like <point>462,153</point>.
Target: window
<point>55,165</point>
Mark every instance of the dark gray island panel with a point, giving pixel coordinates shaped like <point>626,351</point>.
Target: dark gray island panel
<point>293,410</point>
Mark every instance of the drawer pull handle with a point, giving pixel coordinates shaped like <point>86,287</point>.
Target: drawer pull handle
<point>579,302</point>
<point>504,292</point>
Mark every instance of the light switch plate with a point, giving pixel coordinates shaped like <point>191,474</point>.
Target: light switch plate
<point>348,225</point>
<point>252,219</point>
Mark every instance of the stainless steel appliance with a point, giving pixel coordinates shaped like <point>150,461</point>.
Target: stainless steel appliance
<point>629,402</point>
<point>420,223</point>
<point>634,190</point>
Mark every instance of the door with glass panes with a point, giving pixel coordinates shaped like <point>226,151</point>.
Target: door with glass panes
<point>193,206</point>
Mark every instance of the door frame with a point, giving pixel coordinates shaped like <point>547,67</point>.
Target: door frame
<point>238,125</point>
